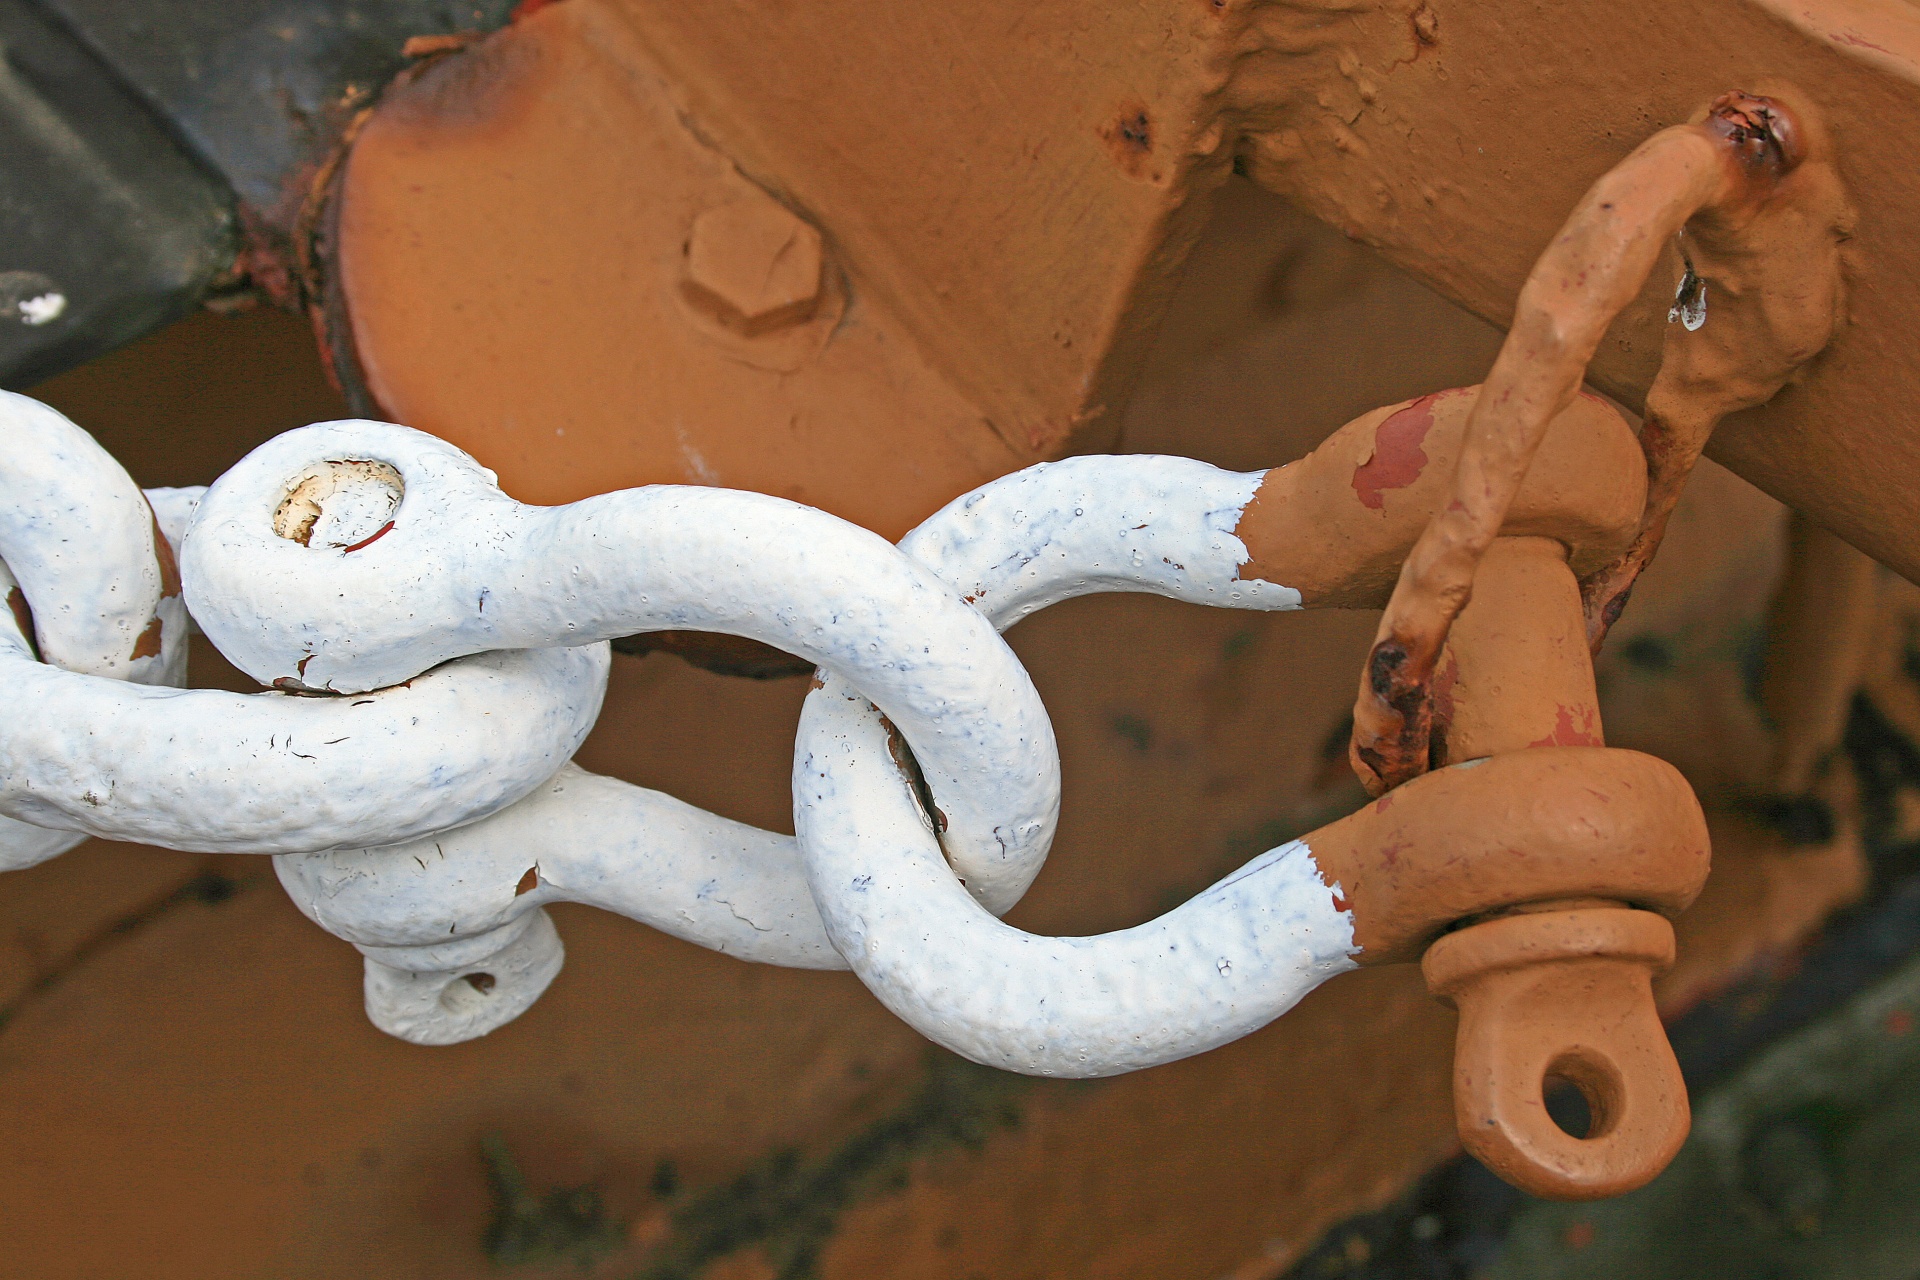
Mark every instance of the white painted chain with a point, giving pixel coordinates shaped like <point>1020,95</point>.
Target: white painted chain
<point>439,651</point>
<point>77,537</point>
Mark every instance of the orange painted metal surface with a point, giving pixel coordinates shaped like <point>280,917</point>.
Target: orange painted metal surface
<point>538,242</point>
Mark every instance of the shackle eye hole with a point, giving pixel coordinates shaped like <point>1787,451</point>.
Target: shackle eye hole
<point>340,504</point>
<point>1583,1093</point>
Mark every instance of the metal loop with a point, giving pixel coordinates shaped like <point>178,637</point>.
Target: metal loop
<point>1230,960</point>
<point>462,569</point>
<point>211,771</point>
<point>84,572</point>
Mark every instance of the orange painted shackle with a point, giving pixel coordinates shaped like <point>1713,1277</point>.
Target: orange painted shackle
<point>1536,872</point>
<point>1593,848</point>
<point>1563,995</point>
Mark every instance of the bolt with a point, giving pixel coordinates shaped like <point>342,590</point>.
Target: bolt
<point>755,265</point>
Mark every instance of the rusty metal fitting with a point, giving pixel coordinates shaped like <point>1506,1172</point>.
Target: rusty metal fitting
<point>1758,131</point>
<point>1751,183</point>
<point>1563,995</point>
<point>1511,870</point>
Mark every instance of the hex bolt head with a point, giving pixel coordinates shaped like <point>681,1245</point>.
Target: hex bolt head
<point>755,266</point>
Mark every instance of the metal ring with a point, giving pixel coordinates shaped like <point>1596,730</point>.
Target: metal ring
<point>458,567</point>
<point>1227,962</point>
<point>80,553</point>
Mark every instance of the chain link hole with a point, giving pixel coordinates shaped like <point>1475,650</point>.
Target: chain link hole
<point>467,993</point>
<point>340,504</point>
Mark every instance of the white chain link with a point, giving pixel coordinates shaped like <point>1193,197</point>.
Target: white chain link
<point>438,651</point>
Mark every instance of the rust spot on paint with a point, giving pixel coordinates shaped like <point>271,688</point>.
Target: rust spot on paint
<point>1340,903</point>
<point>528,882</point>
<point>1759,134</point>
<point>1566,733</point>
<point>1130,136</point>
<point>1134,131</point>
<point>23,618</point>
<point>1397,459</point>
<point>148,645</point>
<point>163,554</point>
<point>287,684</point>
<point>368,541</point>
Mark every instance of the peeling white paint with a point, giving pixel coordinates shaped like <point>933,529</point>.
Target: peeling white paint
<point>459,636</point>
<point>462,990</point>
<point>1027,540</point>
<point>595,840</point>
<point>218,772</point>
<point>466,569</point>
<point>1133,522</point>
<point>173,509</point>
<point>1225,963</point>
<point>79,539</point>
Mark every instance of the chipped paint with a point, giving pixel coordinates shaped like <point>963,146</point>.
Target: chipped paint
<point>664,557</point>
<point>77,536</point>
<point>1225,963</point>
<point>1397,459</point>
<point>1567,732</point>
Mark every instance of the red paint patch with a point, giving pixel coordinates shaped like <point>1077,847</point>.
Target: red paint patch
<point>1568,734</point>
<point>1898,1023</point>
<point>1397,459</point>
<point>1340,903</point>
<point>1859,41</point>
<point>377,534</point>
